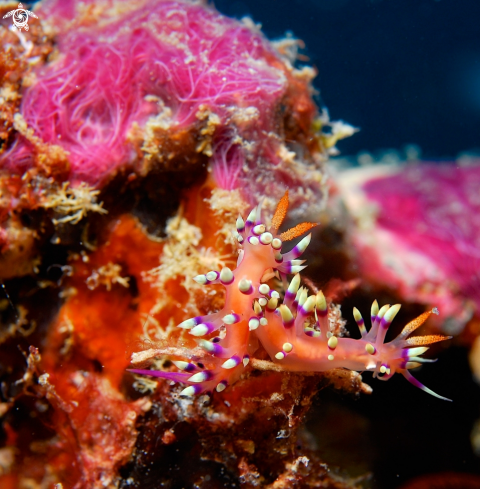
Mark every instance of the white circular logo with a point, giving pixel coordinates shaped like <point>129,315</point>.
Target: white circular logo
<point>20,17</point>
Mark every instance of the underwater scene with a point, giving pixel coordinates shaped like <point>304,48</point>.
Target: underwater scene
<point>240,244</point>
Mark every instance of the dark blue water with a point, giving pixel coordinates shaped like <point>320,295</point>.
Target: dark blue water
<point>404,71</point>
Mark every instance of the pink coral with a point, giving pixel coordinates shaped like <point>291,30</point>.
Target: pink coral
<point>422,238</point>
<point>227,162</point>
<point>177,52</point>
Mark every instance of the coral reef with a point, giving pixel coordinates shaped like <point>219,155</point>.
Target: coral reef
<point>132,136</point>
<point>129,132</point>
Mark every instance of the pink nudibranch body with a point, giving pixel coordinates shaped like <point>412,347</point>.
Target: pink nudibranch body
<point>296,334</point>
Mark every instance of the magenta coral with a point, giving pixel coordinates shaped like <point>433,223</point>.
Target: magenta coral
<point>422,238</point>
<point>297,333</point>
<point>171,55</point>
<point>227,162</point>
<point>434,208</point>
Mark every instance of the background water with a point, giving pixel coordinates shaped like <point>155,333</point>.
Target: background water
<point>404,71</point>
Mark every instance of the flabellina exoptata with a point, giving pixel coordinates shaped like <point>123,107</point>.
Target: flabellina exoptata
<point>291,325</point>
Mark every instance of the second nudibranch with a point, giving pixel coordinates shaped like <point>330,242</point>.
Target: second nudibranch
<point>296,332</point>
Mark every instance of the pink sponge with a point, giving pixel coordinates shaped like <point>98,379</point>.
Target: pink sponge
<point>117,61</point>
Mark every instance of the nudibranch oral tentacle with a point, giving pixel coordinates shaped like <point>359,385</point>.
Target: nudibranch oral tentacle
<point>296,333</point>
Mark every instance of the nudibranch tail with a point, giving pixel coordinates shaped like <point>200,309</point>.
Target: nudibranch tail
<point>295,331</point>
<point>411,356</point>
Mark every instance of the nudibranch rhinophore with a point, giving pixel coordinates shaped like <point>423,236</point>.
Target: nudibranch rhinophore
<point>295,333</point>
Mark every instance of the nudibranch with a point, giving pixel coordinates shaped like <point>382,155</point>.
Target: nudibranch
<point>293,327</point>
